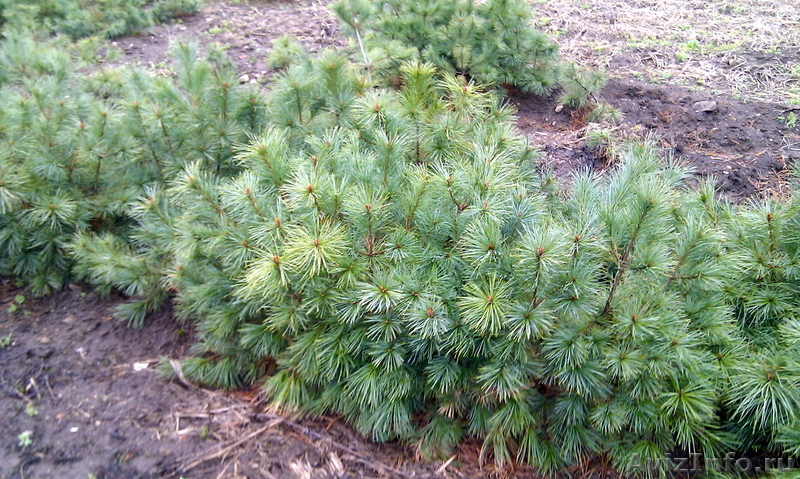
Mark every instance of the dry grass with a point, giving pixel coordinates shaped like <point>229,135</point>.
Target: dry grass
<point>744,49</point>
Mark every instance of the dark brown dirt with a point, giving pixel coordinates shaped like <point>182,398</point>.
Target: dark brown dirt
<point>67,377</point>
<point>742,144</point>
<point>244,29</point>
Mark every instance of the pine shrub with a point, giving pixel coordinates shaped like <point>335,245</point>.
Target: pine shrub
<point>285,51</point>
<point>84,18</point>
<point>78,153</point>
<point>397,258</point>
<point>492,43</point>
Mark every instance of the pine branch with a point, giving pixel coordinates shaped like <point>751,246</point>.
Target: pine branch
<point>624,261</point>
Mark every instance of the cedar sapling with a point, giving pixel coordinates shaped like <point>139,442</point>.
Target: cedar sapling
<point>397,256</point>
<point>493,43</point>
<point>405,258</point>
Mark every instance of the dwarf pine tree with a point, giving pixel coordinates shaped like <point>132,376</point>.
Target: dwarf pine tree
<point>764,296</point>
<point>397,258</point>
<point>492,42</point>
<point>85,18</point>
<point>77,154</point>
<point>196,120</point>
<point>51,145</point>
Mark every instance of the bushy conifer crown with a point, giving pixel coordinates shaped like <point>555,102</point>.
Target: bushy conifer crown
<point>397,256</point>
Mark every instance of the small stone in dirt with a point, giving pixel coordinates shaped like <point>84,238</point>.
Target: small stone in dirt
<point>114,433</point>
<point>705,106</point>
<point>41,352</point>
<point>244,78</point>
<point>559,108</point>
<point>44,340</point>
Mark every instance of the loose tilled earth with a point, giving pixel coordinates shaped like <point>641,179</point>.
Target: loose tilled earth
<point>79,394</point>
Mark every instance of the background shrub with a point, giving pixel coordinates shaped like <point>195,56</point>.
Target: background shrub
<point>493,43</point>
<point>84,18</point>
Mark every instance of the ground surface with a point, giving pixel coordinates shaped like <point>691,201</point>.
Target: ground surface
<point>67,369</point>
<point>663,56</point>
<point>84,391</point>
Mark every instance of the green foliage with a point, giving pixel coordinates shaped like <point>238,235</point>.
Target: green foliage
<point>25,439</point>
<point>14,306</point>
<point>285,51</point>
<point>397,257</point>
<point>400,258</point>
<point>164,11</point>
<point>108,18</point>
<point>603,142</point>
<point>77,154</point>
<point>31,410</point>
<point>84,18</point>
<point>579,89</point>
<point>491,42</point>
<point>789,120</point>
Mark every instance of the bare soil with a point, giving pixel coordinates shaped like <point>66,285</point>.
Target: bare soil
<point>84,389</point>
<point>67,373</point>
<point>741,144</point>
<point>663,56</point>
<point>244,29</point>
